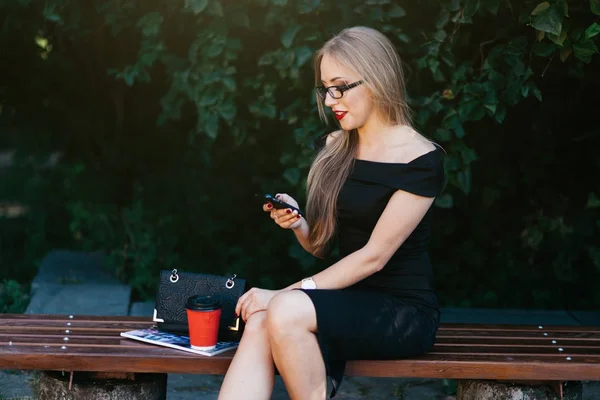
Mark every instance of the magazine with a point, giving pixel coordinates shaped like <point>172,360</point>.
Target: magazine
<point>179,342</point>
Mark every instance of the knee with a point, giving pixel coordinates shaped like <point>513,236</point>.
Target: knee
<point>285,313</point>
<point>256,324</point>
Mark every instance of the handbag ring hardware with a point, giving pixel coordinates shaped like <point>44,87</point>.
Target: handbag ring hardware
<point>174,277</point>
<point>230,282</point>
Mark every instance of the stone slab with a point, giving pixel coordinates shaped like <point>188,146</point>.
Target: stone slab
<point>142,309</point>
<point>73,267</point>
<point>587,318</point>
<point>80,299</point>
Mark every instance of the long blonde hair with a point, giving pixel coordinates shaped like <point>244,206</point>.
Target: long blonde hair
<point>373,57</point>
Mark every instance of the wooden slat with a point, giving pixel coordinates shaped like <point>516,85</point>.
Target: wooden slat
<point>519,328</point>
<point>469,341</point>
<point>520,335</point>
<point>90,318</point>
<point>462,351</point>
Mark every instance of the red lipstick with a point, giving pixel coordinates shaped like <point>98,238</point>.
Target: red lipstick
<point>340,114</point>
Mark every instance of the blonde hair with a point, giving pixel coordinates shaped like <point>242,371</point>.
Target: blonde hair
<point>373,57</point>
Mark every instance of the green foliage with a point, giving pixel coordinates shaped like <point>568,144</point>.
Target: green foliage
<point>170,115</point>
<point>13,297</point>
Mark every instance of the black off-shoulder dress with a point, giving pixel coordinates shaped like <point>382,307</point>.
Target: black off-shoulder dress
<point>393,313</point>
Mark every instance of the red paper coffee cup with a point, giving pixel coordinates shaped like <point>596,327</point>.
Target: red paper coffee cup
<point>204,315</point>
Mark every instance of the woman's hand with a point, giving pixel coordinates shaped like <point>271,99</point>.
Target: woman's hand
<point>285,218</point>
<point>252,301</point>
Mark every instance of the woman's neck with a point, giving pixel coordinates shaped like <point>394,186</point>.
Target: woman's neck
<point>376,134</point>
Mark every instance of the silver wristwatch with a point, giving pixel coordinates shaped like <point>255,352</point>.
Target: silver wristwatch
<point>308,283</point>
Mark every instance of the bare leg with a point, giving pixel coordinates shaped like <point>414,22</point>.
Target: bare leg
<point>292,324</point>
<point>251,374</point>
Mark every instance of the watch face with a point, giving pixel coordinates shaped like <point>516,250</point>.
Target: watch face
<point>308,284</point>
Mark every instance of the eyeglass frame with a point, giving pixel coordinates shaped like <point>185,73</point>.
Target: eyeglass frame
<point>341,88</point>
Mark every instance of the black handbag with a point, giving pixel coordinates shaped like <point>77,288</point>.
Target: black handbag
<point>174,288</point>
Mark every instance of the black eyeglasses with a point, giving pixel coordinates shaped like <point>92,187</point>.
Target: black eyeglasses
<point>336,92</point>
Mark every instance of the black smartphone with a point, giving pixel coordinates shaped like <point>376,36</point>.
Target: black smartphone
<point>278,204</point>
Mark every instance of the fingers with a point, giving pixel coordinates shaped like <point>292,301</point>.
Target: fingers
<point>285,218</point>
<point>289,219</point>
<point>245,305</point>
<point>240,303</point>
<point>267,207</point>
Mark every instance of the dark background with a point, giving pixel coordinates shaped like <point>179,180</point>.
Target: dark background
<point>144,129</point>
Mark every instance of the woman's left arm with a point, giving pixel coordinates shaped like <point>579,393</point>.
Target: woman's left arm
<point>399,219</point>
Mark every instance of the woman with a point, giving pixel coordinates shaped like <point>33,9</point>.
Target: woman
<point>370,187</point>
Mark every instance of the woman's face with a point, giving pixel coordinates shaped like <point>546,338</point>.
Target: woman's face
<point>355,107</point>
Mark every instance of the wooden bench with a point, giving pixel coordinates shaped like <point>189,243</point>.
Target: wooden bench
<point>535,354</point>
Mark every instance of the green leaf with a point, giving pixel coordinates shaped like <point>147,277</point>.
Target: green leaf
<point>150,24</point>
<point>197,6</point>
<point>215,8</point>
<point>442,19</point>
<point>229,84</point>
<point>595,6</point>
<point>547,19</point>
<point>50,13</point>
<point>594,254</point>
<point>492,6</point>
<point>396,11</point>
<point>266,59</point>
<point>592,201</point>
<point>491,108</point>
<point>443,135</point>
<point>584,49</point>
<point>565,53</point>
<point>129,75</point>
<point>303,54</point>
<point>208,98</point>
<point>403,37</point>
<point>227,111</point>
<point>444,201</point>
<point>471,110</point>
<point>440,35</point>
<point>454,5</point>
<point>292,175</point>
<point>287,37</point>
<point>500,115</point>
<point>543,49</point>
<point>563,7</point>
<point>559,40</point>
<point>537,93</point>
<point>471,7</point>
<point>211,125</point>
<point>592,30</point>
<point>540,8</point>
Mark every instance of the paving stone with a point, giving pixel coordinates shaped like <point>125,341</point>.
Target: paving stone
<point>16,385</point>
<point>142,309</point>
<point>80,299</point>
<point>587,318</point>
<point>73,282</point>
<point>73,267</point>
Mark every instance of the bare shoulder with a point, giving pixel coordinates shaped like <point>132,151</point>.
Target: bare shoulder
<point>414,148</point>
<point>333,136</point>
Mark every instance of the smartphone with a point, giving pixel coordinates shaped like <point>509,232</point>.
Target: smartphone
<point>278,204</point>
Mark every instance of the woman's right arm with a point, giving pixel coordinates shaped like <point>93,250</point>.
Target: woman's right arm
<point>291,220</point>
<point>302,234</point>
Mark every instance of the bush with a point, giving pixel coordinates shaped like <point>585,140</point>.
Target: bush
<point>170,115</point>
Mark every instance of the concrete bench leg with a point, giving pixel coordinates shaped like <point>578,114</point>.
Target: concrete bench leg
<point>54,385</point>
<point>531,390</point>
